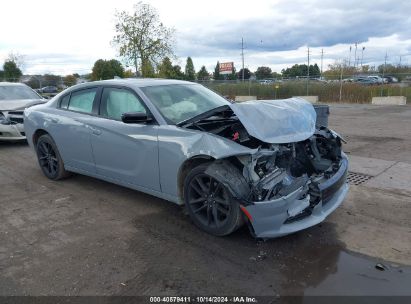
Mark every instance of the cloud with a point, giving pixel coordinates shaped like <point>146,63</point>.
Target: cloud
<point>276,32</point>
<point>292,24</point>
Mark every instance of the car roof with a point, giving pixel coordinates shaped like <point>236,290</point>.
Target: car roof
<point>133,82</point>
<point>3,84</point>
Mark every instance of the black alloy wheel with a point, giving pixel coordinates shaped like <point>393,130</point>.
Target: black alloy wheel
<point>49,158</point>
<point>210,204</point>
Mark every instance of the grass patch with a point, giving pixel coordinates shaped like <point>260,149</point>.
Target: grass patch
<point>326,92</point>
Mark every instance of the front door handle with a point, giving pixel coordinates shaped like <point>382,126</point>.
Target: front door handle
<point>96,131</point>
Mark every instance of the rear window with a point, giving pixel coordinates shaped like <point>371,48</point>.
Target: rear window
<point>82,101</point>
<point>64,102</point>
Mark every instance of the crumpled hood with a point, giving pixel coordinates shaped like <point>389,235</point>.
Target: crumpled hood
<point>277,121</point>
<point>19,104</point>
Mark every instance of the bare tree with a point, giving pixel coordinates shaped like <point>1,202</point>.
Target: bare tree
<point>141,37</point>
<point>18,59</point>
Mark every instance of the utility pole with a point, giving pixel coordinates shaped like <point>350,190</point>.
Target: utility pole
<point>349,58</point>
<point>242,56</point>
<point>308,67</point>
<point>355,56</point>
<point>322,56</point>
<point>341,76</point>
<point>400,61</point>
<point>362,55</point>
<point>383,71</point>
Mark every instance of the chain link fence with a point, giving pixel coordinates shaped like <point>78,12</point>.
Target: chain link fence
<point>327,91</point>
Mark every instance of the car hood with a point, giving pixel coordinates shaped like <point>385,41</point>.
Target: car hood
<point>19,104</point>
<point>277,121</point>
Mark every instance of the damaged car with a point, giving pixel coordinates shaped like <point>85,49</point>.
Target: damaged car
<point>14,98</point>
<point>261,163</point>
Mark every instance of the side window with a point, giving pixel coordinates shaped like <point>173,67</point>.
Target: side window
<point>82,101</point>
<point>116,102</point>
<point>64,101</point>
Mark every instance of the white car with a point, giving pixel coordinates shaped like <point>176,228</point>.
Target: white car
<point>14,98</point>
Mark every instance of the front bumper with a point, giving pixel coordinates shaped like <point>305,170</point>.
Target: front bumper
<point>12,132</point>
<point>277,218</point>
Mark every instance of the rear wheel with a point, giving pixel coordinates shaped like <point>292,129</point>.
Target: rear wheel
<point>49,158</point>
<point>210,204</point>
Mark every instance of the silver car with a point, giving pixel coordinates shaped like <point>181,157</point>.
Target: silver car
<point>14,98</point>
<point>263,163</point>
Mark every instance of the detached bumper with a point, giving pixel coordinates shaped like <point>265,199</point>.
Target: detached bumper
<point>12,132</point>
<point>277,217</point>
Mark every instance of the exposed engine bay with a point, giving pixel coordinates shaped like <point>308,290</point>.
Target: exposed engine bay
<point>276,170</point>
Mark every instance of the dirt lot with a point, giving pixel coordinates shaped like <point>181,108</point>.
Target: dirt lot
<point>82,236</point>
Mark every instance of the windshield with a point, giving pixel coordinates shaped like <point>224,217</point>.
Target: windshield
<point>183,101</point>
<point>13,92</point>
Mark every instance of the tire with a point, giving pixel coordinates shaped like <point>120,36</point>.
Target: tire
<point>210,204</point>
<point>49,158</point>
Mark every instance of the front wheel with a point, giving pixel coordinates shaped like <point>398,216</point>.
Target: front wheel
<point>49,158</point>
<point>210,204</point>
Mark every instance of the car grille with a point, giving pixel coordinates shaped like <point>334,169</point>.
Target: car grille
<point>13,116</point>
<point>16,113</point>
<point>16,119</point>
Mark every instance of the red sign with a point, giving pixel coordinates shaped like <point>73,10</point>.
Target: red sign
<point>226,67</point>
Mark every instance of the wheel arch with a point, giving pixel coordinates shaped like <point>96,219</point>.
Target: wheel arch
<point>37,134</point>
<point>186,167</point>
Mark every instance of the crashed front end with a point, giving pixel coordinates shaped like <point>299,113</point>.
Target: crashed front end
<point>11,125</point>
<point>294,186</point>
<point>295,174</point>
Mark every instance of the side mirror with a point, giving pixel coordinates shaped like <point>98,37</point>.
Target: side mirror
<point>136,117</point>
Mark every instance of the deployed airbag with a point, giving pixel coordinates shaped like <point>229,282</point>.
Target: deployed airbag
<point>277,121</point>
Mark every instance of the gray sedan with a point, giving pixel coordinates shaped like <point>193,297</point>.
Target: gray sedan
<point>260,163</point>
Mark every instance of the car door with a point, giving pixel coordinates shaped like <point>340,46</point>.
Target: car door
<point>71,129</point>
<point>125,152</point>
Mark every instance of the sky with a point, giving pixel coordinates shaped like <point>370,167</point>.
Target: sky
<point>64,37</point>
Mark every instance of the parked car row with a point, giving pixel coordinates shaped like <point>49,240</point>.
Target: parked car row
<point>372,80</point>
<point>48,90</point>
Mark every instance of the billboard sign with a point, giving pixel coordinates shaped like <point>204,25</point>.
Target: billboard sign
<point>226,67</point>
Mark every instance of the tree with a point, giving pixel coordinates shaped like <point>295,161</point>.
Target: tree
<point>128,73</point>
<point>177,72</point>
<point>263,72</point>
<point>107,69</point>
<point>203,74</point>
<point>315,71</point>
<point>51,80</point>
<point>147,69</point>
<point>141,37</point>
<point>190,73</point>
<point>233,75</point>
<point>165,69</point>
<point>276,75</point>
<point>216,74</point>
<point>247,74</point>
<point>18,59</point>
<point>70,80</point>
<point>11,71</point>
